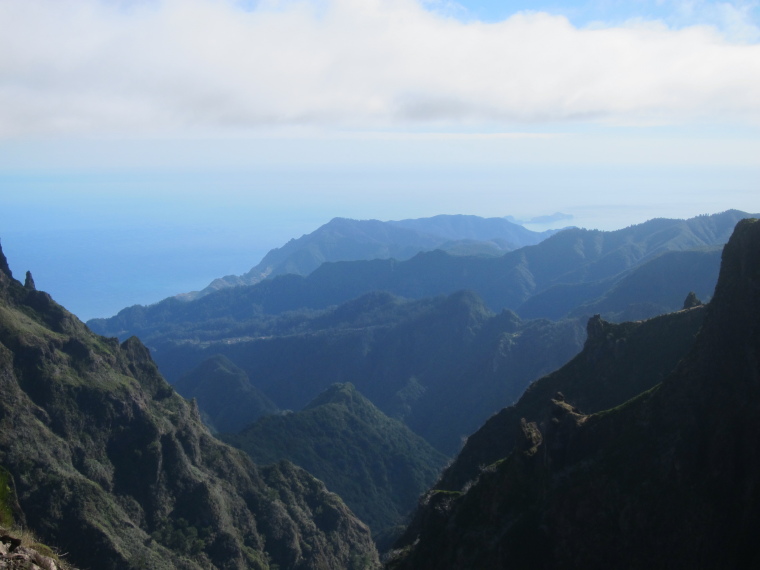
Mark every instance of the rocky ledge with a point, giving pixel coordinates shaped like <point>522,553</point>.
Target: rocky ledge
<point>14,555</point>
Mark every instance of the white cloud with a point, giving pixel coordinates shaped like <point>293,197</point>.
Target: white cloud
<point>89,66</point>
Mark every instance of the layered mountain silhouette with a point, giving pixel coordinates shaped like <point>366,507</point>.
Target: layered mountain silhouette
<point>343,239</point>
<point>436,341</point>
<point>376,464</point>
<point>665,479</point>
<point>550,279</point>
<point>653,288</point>
<point>441,365</point>
<point>109,464</point>
<point>288,339</point>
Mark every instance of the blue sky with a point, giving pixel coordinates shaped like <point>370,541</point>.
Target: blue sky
<point>149,146</point>
<point>675,14</point>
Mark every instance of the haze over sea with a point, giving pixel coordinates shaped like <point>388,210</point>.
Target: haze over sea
<point>147,147</point>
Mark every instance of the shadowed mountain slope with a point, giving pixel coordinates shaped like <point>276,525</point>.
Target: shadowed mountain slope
<point>441,365</point>
<point>666,480</point>
<point>112,466</point>
<point>226,398</point>
<point>618,362</point>
<point>376,464</point>
<point>653,288</point>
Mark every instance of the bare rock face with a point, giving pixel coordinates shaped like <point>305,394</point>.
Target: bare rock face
<point>15,556</point>
<point>29,281</point>
<point>596,328</point>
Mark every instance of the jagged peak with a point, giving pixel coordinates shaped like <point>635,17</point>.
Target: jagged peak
<point>736,293</point>
<point>29,281</point>
<point>596,328</point>
<point>692,301</point>
<point>4,267</point>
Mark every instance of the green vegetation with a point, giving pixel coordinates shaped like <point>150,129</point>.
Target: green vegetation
<point>180,536</point>
<point>587,263</point>
<point>442,365</point>
<point>7,499</point>
<point>226,397</point>
<point>115,468</point>
<point>374,463</point>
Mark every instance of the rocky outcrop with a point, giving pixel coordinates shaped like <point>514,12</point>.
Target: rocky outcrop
<point>691,301</point>
<point>668,479</point>
<point>29,281</point>
<point>618,361</point>
<point>15,556</point>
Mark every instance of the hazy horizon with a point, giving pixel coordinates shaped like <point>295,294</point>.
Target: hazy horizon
<point>149,146</point>
<point>95,272</point>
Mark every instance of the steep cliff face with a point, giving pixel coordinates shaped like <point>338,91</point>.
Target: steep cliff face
<point>112,466</point>
<point>665,480</point>
<point>618,362</point>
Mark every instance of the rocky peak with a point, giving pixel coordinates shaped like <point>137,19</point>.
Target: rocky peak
<point>29,281</point>
<point>596,328</point>
<point>4,267</point>
<point>691,301</point>
<point>737,294</point>
<point>528,436</point>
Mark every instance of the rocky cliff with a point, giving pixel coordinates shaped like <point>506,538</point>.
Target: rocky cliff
<point>618,362</point>
<point>115,468</point>
<point>668,479</point>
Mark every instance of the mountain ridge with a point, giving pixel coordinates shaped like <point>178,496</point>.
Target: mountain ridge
<point>413,359</point>
<point>666,479</point>
<point>111,465</point>
<point>337,430</point>
<point>568,258</point>
<point>345,239</point>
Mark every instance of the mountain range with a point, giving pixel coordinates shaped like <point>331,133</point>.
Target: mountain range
<point>441,361</point>
<point>549,279</point>
<point>368,373</point>
<point>441,365</point>
<point>293,336</point>
<point>343,239</point>
<point>666,478</point>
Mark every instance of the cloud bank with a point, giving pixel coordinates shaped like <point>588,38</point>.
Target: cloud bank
<point>156,66</point>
